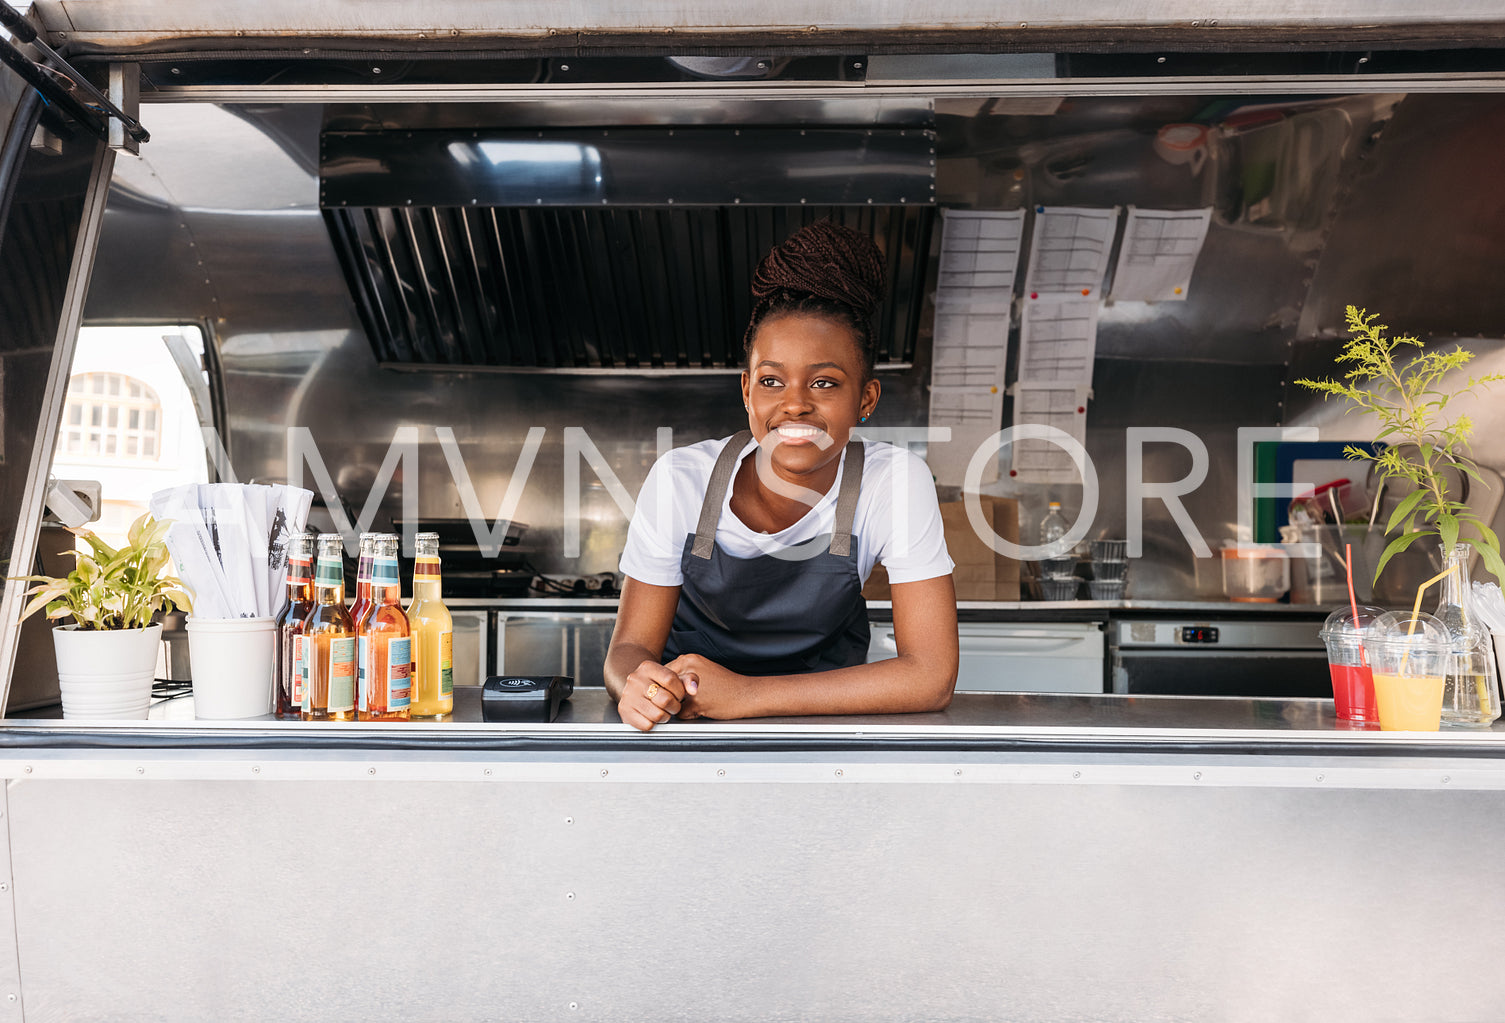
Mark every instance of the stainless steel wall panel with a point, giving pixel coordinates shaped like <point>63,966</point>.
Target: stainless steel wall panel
<point>695,106</point>
<point>628,166</point>
<point>1417,239</point>
<point>1100,151</point>
<point>842,889</point>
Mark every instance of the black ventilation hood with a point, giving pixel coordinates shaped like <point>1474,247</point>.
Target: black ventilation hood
<point>606,249</point>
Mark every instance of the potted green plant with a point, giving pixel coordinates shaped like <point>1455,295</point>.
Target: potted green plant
<point>107,654</point>
<point>1427,449</point>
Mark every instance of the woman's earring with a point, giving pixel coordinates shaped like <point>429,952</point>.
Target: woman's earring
<point>863,419</point>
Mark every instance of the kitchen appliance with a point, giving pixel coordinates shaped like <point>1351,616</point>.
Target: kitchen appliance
<point>467,571</point>
<point>554,641</point>
<point>1018,657</point>
<point>1219,656</point>
<point>1256,575</point>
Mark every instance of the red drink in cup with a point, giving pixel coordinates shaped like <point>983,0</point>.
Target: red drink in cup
<point>1353,692</point>
<point>1353,681</point>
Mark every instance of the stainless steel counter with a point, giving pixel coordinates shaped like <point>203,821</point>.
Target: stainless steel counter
<point>1187,607</point>
<point>1165,723</point>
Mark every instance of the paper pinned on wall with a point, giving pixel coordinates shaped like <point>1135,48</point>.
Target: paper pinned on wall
<point>1068,253</point>
<point>974,415</point>
<point>1158,254</point>
<point>979,259</point>
<point>1063,406</point>
<point>1057,339</point>
<point>969,349</point>
<point>974,296</point>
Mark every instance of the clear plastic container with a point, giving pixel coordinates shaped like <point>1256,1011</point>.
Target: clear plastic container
<point>1410,661</point>
<point>1353,680</point>
<point>1053,525</point>
<point>1324,579</point>
<point>1260,575</point>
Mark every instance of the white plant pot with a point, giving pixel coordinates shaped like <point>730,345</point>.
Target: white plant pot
<point>106,674</point>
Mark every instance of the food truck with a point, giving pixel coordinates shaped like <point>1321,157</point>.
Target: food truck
<point>472,269</point>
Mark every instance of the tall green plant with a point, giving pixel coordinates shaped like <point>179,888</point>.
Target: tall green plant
<point>109,588</point>
<point>1405,395</point>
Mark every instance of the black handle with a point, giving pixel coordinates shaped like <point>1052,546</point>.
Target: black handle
<point>16,24</point>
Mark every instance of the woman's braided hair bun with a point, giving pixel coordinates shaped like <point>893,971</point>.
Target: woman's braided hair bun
<point>823,269</point>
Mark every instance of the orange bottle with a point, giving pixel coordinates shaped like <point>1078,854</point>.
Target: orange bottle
<point>329,640</point>
<point>385,675</point>
<point>288,689</point>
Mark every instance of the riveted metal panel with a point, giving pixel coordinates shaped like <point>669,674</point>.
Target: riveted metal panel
<point>465,887</point>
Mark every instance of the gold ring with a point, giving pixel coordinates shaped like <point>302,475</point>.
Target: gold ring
<point>651,690</point>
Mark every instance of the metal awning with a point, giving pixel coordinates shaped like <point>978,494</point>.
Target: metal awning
<point>980,25</point>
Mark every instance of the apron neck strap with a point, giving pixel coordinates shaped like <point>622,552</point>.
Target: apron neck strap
<point>846,500</point>
<point>721,478</point>
<point>715,493</point>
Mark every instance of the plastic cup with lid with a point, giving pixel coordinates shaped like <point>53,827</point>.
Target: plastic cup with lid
<point>1408,655</point>
<point>1353,680</point>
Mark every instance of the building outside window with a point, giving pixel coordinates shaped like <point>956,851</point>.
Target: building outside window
<point>112,415</point>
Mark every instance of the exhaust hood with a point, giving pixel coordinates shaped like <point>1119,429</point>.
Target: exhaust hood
<point>606,249</point>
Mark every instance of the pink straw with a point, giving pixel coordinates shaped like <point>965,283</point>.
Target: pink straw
<point>1353,603</point>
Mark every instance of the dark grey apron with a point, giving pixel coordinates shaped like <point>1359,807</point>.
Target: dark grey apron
<point>770,615</point>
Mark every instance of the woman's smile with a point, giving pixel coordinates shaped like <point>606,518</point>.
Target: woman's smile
<point>802,433</point>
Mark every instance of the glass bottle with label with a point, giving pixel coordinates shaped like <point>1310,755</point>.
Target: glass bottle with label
<point>329,640</point>
<point>385,677</point>
<point>288,691</point>
<point>432,634</point>
<point>361,606</point>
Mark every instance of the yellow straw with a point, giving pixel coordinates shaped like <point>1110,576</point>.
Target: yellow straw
<point>1416,610</point>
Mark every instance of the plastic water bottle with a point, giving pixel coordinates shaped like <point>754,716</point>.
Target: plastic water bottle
<point>1053,526</point>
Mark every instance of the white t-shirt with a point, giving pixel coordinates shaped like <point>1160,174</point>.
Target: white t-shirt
<point>898,522</point>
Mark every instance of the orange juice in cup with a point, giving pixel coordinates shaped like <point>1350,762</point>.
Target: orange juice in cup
<point>1409,703</point>
<point>1408,652</point>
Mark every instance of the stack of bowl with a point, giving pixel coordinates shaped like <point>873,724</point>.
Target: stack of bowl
<point>1110,569</point>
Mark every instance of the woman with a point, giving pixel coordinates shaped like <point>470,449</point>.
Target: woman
<point>745,561</point>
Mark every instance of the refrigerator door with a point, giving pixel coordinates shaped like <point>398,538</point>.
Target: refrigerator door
<point>1018,657</point>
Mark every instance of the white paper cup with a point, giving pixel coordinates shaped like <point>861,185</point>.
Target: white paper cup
<point>232,666</point>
